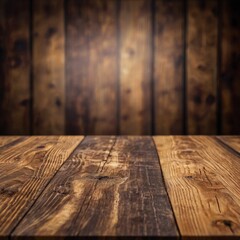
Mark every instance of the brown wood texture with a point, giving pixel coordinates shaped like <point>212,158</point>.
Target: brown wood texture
<point>202,180</point>
<point>231,141</point>
<point>135,67</point>
<point>201,66</point>
<point>119,67</point>
<point>48,67</point>
<point>91,69</point>
<point>5,140</point>
<point>230,67</point>
<point>25,170</point>
<point>109,187</point>
<point>168,66</point>
<point>14,67</point>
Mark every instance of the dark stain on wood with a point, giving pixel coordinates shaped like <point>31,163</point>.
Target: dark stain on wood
<point>58,102</point>
<point>24,102</point>
<point>50,32</point>
<point>210,99</point>
<point>20,45</point>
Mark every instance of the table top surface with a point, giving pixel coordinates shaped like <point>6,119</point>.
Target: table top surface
<point>120,186</point>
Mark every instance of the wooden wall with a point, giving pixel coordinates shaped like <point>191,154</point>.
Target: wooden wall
<point>119,67</point>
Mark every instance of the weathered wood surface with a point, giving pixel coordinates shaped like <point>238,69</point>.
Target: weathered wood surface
<point>230,67</point>
<point>109,187</point>
<point>201,66</point>
<point>119,67</point>
<point>91,67</point>
<point>48,63</point>
<point>202,180</point>
<point>168,67</point>
<point>231,141</point>
<point>14,67</point>
<point>135,67</point>
<point>25,170</point>
<point>5,140</point>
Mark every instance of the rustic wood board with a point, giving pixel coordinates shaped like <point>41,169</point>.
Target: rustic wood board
<point>168,66</point>
<point>135,67</point>
<point>9,142</point>
<point>91,67</point>
<point>25,170</point>
<point>202,180</point>
<point>14,67</point>
<point>201,66</point>
<point>48,67</point>
<point>231,141</point>
<point>5,140</point>
<point>230,67</point>
<point>109,187</point>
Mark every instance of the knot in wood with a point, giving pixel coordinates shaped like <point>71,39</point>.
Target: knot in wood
<point>64,190</point>
<point>7,192</point>
<point>102,177</point>
<point>224,222</point>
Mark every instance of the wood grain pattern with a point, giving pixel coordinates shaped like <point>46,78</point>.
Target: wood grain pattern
<point>4,140</point>
<point>91,67</point>
<point>109,187</point>
<point>168,67</point>
<point>230,67</point>
<point>9,142</point>
<point>48,67</point>
<point>25,170</point>
<point>131,67</point>
<point>231,141</point>
<point>14,67</point>
<point>202,37</point>
<point>135,66</point>
<point>202,180</point>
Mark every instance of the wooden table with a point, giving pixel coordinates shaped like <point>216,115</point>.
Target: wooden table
<point>107,186</point>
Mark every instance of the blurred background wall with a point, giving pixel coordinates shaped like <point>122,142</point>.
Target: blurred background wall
<point>119,67</point>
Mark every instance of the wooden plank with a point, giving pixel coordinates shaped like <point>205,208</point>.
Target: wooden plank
<point>202,180</point>
<point>14,67</point>
<point>5,140</point>
<point>230,67</point>
<point>48,67</point>
<point>91,69</point>
<point>109,187</point>
<point>25,170</point>
<point>201,63</point>
<point>168,66</point>
<point>231,141</point>
<point>135,67</point>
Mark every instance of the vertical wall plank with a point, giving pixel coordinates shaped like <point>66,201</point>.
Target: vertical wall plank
<point>14,67</point>
<point>48,67</point>
<point>230,67</point>
<point>168,66</point>
<point>202,66</point>
<point>135,66</point>
<point>91,67</point>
